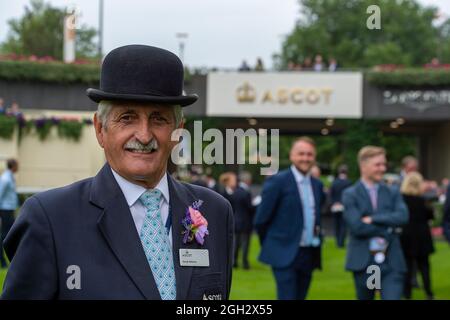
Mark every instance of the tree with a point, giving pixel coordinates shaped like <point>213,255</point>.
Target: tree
<point>40,32</point>
<point>338,29</point>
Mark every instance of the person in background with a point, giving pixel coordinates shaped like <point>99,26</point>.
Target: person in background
<point>243,218</point>
<point>332,64</point>
<point>307,64</point>
<point>14,110</point>
<point>288,222</point>
<point>409,164</point>
<point>8,202</point>
<point>416,240</point>
<point>240,201</point>
<point>373,213</point>
<point>446,219</point>
<point>318,63</point>
<point>259,65</point>
<point>316,172</point>
<point>244,66</point>
<point>337,209</point>
<point>2,107</point>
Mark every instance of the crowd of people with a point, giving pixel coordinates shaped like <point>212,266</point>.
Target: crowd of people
<point>308,64</point>
<point>388,220</point>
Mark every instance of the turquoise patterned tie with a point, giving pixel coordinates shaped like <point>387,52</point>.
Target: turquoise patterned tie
<point>155,242</point>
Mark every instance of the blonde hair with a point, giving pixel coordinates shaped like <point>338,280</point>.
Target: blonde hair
<point>412,184</point>
<point>304,139</point>
<point>368,152</point>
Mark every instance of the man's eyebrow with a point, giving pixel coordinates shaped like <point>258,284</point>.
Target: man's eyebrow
<point>125,110</point>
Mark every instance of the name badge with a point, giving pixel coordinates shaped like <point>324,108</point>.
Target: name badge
<point>194,258</point>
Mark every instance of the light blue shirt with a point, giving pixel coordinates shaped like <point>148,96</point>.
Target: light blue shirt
<point>375,186</point>
<point>132,192</point>
<point>8,194</point>
<point>307,196</point>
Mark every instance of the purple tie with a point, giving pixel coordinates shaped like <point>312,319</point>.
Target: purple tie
<point>373,197</point>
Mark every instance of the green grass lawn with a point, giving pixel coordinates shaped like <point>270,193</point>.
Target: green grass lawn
<point>331,283</point>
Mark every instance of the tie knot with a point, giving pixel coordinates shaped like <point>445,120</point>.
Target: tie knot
<point>151,198</point>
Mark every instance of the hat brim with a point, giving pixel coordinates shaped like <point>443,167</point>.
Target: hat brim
<point>98,95</point>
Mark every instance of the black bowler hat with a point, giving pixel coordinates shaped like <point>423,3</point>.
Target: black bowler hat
<point>142,73</point>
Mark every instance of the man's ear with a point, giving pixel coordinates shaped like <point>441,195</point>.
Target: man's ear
<point>98,130</point>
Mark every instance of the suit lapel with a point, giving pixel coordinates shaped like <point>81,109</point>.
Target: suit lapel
<point>365,196</point>
<point>294,186</point>
<point>180,199</point>
<point>317,194</point>
<point>117,227</point>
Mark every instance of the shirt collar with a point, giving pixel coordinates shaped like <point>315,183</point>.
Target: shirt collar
<point>375,186</point>
<point>132,191</point>
<point>299,177</point>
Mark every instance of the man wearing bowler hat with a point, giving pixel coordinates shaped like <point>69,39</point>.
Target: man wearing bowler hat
<point>132,231</point>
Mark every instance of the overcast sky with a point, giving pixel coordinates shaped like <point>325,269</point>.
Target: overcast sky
<point>220,33</point>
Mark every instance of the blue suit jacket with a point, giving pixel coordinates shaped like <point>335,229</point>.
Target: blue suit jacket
<point>279,219</point>
<point>89,224</point>
<point>446,220</point>
<point>391,213</point>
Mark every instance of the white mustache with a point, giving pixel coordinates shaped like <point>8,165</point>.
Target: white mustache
<point>138,146</point>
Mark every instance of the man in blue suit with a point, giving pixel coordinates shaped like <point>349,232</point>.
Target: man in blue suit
<point>446,220</point>
<point>374,212</point>
<point>288,222</point>
<point>132,231</point>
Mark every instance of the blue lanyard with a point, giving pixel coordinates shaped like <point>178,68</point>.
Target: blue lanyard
<point>169,220</point>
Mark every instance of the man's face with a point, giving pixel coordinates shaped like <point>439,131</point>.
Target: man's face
<point>411,166</point>
<point>137,140</point>
<point>303,156</point>
<point>374,168</point>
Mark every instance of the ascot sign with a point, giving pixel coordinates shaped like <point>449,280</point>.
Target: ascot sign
<point>285,94</point>
<point>247,94</point>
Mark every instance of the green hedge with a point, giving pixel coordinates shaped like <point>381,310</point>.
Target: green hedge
<point>55,72</point>
<point>414,77</point>
<point>50,72</point>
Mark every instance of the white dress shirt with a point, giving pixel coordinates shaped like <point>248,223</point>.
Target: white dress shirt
<point>132,192</point>
<point>299,177</point>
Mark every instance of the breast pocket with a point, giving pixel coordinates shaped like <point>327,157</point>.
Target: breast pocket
<point>207,287</point>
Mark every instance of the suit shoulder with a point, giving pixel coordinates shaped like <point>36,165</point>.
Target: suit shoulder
<point>205,194</point>
<point>279,177</point>
<point>349,191</point>
<point>64,196</point>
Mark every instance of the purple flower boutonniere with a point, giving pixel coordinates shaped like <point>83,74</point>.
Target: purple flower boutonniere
<point>195,224</point>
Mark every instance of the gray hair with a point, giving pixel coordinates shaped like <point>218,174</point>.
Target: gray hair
<point>105,106</point>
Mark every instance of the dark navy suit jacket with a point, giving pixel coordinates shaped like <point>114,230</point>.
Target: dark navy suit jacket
<point>89,224</point>
<point>446,220</point>
<point>279,219</point>
<point>241,202</point>
<point>391,213</point>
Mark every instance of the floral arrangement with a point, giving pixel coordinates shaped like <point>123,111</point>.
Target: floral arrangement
<point>195,225</point>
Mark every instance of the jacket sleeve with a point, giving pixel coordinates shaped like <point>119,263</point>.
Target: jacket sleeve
<point>352,217</point>
<point>3,186</point>
<point>266,209</point>
<point>396,218</point>
<point>30,247</point>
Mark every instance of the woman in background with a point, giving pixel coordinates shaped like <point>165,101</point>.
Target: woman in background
<point>416,238</point>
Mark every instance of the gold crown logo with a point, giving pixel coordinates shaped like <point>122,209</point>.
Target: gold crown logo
<point>245,93</point>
